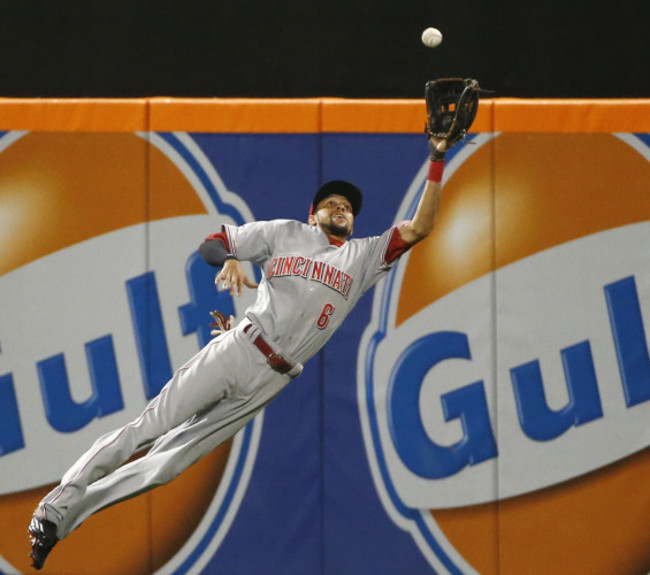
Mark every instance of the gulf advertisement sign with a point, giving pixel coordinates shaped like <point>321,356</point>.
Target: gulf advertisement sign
<point>504,379</point>
<point>103,295</point>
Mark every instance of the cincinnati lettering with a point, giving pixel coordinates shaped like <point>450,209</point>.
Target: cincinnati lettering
<point>322,272</point>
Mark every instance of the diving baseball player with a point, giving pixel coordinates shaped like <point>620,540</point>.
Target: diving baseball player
<point>312,277</point>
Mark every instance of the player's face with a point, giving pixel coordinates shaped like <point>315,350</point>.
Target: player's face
<point>334,216</point>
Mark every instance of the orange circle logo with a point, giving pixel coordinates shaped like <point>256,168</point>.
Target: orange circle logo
<point>97,283</point>
<point>505,380</point>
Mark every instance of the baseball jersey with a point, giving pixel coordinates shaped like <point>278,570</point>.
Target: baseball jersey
<point>309,284</point>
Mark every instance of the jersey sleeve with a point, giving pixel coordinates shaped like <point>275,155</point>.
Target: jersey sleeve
<point>251,242</point>
<point>396,246</point>
<point>380,253</point>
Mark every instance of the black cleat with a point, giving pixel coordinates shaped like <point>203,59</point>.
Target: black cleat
<point>43,538</point>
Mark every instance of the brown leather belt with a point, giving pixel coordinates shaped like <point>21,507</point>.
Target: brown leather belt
<point>275,360</point>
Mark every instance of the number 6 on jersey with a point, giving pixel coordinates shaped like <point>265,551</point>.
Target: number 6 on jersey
<point>324,318</point>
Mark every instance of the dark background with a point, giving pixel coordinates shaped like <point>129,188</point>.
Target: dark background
<point>303,48</point>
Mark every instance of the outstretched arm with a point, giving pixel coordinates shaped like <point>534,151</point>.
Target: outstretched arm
<point>424,219</point>
<point>452,104</point>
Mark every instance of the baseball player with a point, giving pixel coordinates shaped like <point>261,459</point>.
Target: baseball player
<point>313,275</point>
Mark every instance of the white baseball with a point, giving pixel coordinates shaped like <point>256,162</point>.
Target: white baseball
<point>431,37</point>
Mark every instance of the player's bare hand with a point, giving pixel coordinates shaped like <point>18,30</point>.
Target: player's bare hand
<point>232,277</point>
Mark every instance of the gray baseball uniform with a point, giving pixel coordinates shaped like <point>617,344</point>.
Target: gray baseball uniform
<point>308,287</point>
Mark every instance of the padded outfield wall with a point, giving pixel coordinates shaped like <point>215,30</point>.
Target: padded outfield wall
<point>485,409</point>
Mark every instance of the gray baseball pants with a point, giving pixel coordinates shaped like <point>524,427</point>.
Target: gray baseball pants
<point>206,402</point>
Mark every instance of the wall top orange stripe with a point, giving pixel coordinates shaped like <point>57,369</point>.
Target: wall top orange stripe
<point>235,115</point>
<point>294,115</point>
<point>572,116</point>
<point>315,115</point>
<point>73,115</point>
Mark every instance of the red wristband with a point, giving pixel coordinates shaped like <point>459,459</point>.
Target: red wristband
<point>435,171</point>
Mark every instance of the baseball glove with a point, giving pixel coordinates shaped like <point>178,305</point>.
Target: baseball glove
<point>452,104</point>
<point>221,323</point>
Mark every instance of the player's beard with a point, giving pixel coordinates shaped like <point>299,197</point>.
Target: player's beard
<point>331,228</point>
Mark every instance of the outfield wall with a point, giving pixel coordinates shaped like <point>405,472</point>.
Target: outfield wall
<point>484,409</point>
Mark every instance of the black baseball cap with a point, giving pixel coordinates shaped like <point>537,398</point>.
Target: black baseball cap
<point>339,188</point>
